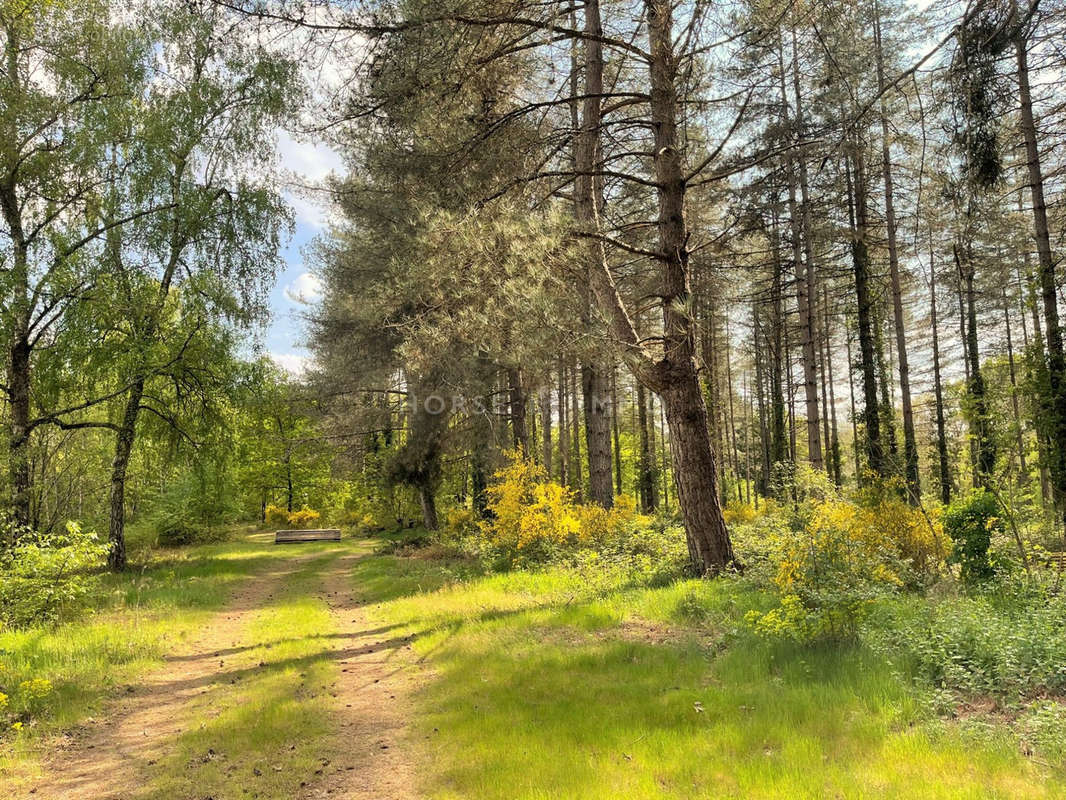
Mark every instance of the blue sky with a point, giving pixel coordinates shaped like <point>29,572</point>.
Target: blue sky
<point>303,163</point>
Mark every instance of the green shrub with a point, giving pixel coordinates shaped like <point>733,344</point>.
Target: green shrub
<point>976,645</point>
<point>970,522</point>
<point>44,575</point>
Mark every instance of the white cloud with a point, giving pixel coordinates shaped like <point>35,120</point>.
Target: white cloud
<point>306,164</point>
<point>292,363</point>
<point>305,290</point>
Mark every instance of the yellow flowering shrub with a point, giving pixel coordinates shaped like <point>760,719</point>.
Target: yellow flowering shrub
<point>280,517</point>
<point>276,515</point>
<point>739,513</point>
<point>828,575</point>
<point>304,518</point>
<point>532,517</point>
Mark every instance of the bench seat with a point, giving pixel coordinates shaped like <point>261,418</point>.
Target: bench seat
<point>319,535</point>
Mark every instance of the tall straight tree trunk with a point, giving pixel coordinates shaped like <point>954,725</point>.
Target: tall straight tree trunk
<point>564,430</point>
<point>544,405</point>
<point>615,434</point>
<point>588,201</point>
<point>517,404</point>
<point>834,433</point>
<point>980,423</point>
<point>18,356</point>
<point>760,396</point>
<point>1019,437</point>
<point>938,390</point>
<point>910,444</point>
<point>597,435</point>
<point>804,270</point>
<point>1056,358</point>
<point>778,428</point>
<point>860,257</point>
<point>854,414</point>
<point>731,431</point>
<point>577,479</point>
<point>645,471</point>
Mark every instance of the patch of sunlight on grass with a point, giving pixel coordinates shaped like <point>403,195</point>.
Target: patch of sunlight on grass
<point>541,691</point>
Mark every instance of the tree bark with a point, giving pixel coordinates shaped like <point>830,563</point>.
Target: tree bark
<point>116,556</point>
<point>517,395</point>
<point>861,264</point>
<point>1056,358</point>
<point>597,435</point>
<point>910,444</point>
<point>938,392</point>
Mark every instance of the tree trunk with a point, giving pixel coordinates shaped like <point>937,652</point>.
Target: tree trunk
<point>834,433</point>
<point>564,431</point>
<point>861,263</point>
<point>577,480</point>
<point>1019,438</point>
<point>116,556</point>
<point>544,405</point>
<point>938,391</point>
<point>597,435</point>
<point>517,396</point>
<point>695,476</point>
<point>804,270</point>
<point>645,471</point>
<point>910,444</point>
<point>979,420</point>
<point>619,488</point>
<point>1056,358</point>
<point>429,507</point>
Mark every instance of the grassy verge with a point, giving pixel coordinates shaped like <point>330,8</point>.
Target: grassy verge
<point>553,684</point>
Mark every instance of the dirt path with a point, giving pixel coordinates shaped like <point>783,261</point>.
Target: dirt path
<point>107,759</point>
<point>115,756</point>
<point>377,675</point>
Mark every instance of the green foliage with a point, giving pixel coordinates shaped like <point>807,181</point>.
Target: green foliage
<point>970,523</point>
<point>44,576</point>
<point>193,508</point>
<point>977,645</point>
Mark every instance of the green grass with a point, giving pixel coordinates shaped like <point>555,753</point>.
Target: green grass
<point>549,685</point>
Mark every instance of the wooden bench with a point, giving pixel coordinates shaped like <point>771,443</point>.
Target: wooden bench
<point>322,535</point>
<point>1056,560</point>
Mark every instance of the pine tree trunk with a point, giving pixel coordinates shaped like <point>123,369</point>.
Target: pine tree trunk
<point>938,391</point>
<point>597,436</point>
<point>1056,358</point>
<point>861,264</point>
<point>544,405</point>
<point>804,270</point>
<point>517,398</point>
<point>645,471</point>
<point>615,433</point>
<point>910,444</point>
<point>979,420</point>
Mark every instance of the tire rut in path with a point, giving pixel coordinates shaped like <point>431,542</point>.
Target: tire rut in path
<point>377,675</point>
<point>111,758</point>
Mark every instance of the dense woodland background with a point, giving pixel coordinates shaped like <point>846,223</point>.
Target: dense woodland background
<point>676,251</point>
